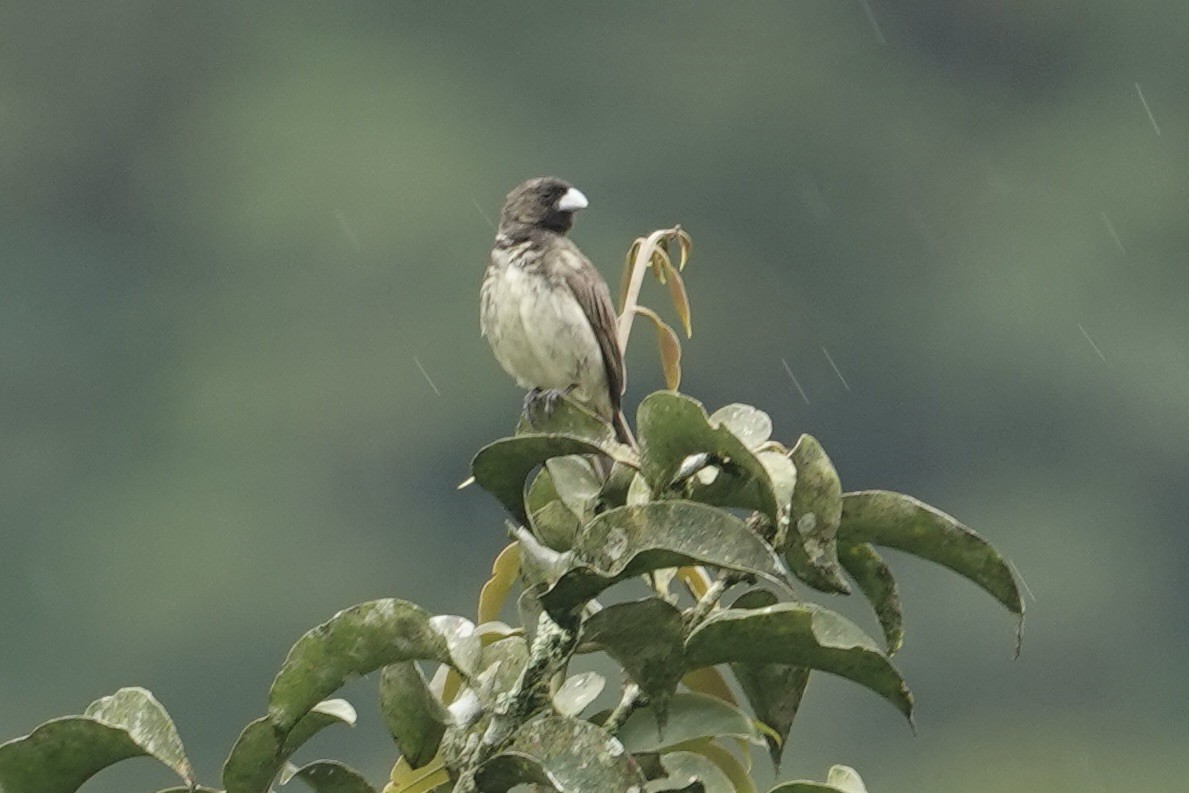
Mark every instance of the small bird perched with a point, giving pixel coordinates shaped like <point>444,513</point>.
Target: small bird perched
<point>545,309</point>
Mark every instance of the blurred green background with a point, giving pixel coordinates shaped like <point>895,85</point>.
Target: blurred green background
<point>232,234</point>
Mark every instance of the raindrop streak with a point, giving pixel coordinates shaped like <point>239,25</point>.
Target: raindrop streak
<point>1147,109</point>
<point>1110,227</point>
<point>837,371</point>
<point>874,22</point>
<point>422,368</point>
<point>1092,344</point>
<point>793,377</point>
<point>346,227</point>
<point>483,214</point>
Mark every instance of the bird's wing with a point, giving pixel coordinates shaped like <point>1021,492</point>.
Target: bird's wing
<point>592,294</point>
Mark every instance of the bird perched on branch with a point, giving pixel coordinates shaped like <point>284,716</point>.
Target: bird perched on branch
<point>545,309</point>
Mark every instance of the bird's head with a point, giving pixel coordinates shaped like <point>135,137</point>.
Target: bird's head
<point>545,202</point>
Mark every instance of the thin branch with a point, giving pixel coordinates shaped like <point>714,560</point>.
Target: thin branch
<point>632,699</point>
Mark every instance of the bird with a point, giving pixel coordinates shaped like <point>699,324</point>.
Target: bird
<point>545,309</point>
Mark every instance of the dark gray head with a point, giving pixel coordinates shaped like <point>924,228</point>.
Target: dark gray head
<point>545,202</point>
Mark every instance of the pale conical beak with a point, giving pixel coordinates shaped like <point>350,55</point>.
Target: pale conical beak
<point>572,200</point>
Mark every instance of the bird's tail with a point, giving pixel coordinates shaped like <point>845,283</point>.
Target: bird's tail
<point>623,433</point>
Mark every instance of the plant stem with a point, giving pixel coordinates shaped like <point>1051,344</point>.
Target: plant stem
<point>632,698</point>
<point>550,652</point>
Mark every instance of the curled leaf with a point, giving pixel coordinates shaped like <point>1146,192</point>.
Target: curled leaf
<point>414,716</point>
<point>501,467</point>
<point>628,541</point>
<point>816,512</point>
<point>877,584</point>
<point>673,427</point>
<point>797,634</point>
<point>895,520</point>
<point>670,347</point>
<point>357,641</point>
<point>504,571</point>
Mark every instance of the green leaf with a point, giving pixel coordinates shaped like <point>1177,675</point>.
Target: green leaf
<point>579,755</point>
<point>255,759</point>
<point>509,769</point>
<point>330,776</point>
<point>691,716</point>
<point>186,789</point>
<point>673,427</point>
<point>323,715</point>
<point>840,779</point>
<point>749,424</point>
<point>895,520</point>
<point>647,638</point>
<point>360,640</point>
<point>569,418</point>
<point>501,467</point>
<point>739,772</point>
<point>261,751</point>
<point>875,580</point>
<point>816,513</point>
<point>414,716</point>
<point>686,768</point>
<point>773,690</point>
<point>782,472</point>
<point>797,634</point>
<point>628,541</point>
<point>577,483</point>
<point>61,754</point>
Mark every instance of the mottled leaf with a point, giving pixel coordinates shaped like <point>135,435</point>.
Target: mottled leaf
<point>255,759</point>
<point>501,467</point>
<point>816,511</point>
<point>691,716</point>
<point>773,690</point>
<point>628,541</point>
<point>895,520</point>
<point>647,638</point>
<point>414,716</point>
<point>749,424</point>
<point>357,641</point>
<point>731,766</point>
<point>580,756</point>
<point>504,571</point>
<point>577,692</point>
<point>61,754</point>
<point>841,779</point>
<point>137,711</point>
<point>577,484</point>
<point>686,768</point>
<point>673,427</point>
<point>797,634</point>
<point>330,776</point>
<point>261,750</point>
<point>568,418</point>
<point>877,584</point>
<point>509,769</point>
<point>511,654</point>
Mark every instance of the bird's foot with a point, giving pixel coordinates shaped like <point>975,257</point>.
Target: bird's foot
<point>544,401</point>
<point>531,398</point>
<point>550,397</point>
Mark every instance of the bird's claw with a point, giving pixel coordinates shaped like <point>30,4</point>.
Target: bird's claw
<point>543,400</point>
